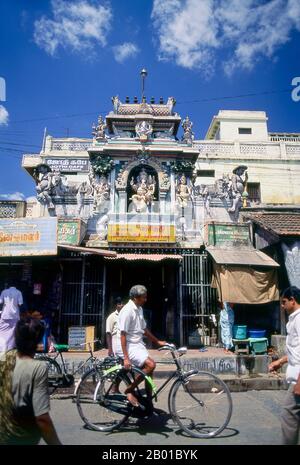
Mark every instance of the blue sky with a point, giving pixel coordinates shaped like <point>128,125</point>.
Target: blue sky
<point>68,57</point>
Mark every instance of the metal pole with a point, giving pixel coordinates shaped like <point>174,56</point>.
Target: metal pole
<point>180,304</point>
<point>103,304</point>
<point>202,294</point>
<point>82,291</point>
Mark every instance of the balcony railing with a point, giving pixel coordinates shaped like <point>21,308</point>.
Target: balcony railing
<point>244,150</point>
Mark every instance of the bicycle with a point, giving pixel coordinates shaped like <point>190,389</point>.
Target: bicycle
<point>199,402</point>
<point>58,377</point>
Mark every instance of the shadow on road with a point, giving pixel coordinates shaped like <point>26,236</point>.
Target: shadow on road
<point>157,424</point>
<point>226,433</point>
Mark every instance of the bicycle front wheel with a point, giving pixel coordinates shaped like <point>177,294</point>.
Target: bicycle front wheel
<point>201,404</point>
<point>100,400</point>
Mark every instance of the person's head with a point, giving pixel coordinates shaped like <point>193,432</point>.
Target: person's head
<point>119,304</point>
<point>138,294</point>
<point>290,299</point>
<point>36,314</point>
<point>28,334</point>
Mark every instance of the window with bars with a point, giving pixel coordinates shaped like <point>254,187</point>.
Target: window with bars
<point>253,189</point>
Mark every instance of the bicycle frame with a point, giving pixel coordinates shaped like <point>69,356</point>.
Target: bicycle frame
<point>64,368</point>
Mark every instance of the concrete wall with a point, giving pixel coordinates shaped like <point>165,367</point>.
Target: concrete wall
<point>279,179</point>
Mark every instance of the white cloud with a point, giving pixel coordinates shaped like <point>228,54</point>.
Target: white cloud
<point>124,51</point>
<point>3,116</point>
<point>76,25</point>
<point>14,196</point>
<point>196,33</point>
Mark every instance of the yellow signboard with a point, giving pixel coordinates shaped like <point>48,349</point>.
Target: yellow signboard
<point>128,232</point>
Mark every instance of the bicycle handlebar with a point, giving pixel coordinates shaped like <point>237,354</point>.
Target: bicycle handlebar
<point>89,342</point>
<point>171,347</point>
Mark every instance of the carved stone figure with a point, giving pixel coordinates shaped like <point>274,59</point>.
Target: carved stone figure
<point>188,135</point>
<point>183,192</point>
<point>165,183</point>
<point>102,225</point>
<point>43,176</point>
<point>99,130</point>
<point>143,129</point>
<point>144,186</point>
<point>116,103</point>
<point>101,191</point>
<point>84,190</point>
<point>238,184</point>
<point>59,184</point>
<point>170,104</point>
<point>203,192</point>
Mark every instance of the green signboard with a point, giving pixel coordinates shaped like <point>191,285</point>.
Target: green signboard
<point>70,231</point>
<point>224,234</point>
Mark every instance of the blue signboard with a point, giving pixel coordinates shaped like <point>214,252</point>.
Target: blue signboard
<point>28,237</point>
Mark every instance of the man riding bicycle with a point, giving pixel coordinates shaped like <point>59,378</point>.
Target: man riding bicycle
<point>133,328</point>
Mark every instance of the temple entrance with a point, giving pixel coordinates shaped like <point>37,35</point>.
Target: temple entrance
<point>160,278</point>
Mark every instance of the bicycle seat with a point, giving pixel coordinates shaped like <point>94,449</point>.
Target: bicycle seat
<point>61,347</point>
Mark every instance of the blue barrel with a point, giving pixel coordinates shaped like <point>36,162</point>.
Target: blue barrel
<point>239,332</point>
<point>257,333</point>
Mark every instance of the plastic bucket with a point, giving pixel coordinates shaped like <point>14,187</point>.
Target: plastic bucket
<point>257,333</point>
<point>239,332</point>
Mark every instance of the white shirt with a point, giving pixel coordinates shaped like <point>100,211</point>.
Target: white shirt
<point>112,324</point>
<point>131,321</point>
<point>11,298</point>
<point>293,347</point>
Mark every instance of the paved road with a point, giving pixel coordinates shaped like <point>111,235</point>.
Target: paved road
<point>255,420</point>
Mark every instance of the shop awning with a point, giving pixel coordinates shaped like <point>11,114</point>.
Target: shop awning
<point>244,276</point>
<point>149,257</point>
<point>247,257</point>
<point>88,250</point>
<point>245,285</point>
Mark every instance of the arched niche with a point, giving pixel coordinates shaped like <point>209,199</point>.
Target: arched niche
<point>134,179</point>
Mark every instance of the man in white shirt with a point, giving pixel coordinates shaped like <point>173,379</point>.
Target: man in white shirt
<point>11,299</point>
<point>113,337</point>
<point>133,328</point>
<point>290,418</point>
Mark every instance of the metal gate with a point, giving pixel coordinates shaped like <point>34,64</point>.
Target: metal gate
<point>82,295</point>
<point>197,300</point>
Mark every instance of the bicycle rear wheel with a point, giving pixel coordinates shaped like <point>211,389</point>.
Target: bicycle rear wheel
<point>99,405</point>
<point>201,404</point>
<point>54,372</point>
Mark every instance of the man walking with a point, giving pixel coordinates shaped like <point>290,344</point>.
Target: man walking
<point>113,337</point>
<point>133,328</point>
<point>290,419</point>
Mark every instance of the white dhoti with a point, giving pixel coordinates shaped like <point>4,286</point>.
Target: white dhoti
<point>116,346</point>
<point>137,353</point>
<point>7,334</point>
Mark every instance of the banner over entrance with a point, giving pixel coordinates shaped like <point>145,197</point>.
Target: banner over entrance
<point>130,232</point>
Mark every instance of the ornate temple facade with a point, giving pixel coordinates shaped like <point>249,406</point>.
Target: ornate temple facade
<point>143,201</point>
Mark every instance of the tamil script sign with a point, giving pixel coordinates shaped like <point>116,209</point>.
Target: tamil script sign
<point>68,165</point>
<point>28,236</point>
<point>129,232</point>
<point>226,234</point>
<point>70,231</point>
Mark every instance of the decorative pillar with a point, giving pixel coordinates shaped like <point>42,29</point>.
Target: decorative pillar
<point>122,200</point>
<point>162,201</point>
